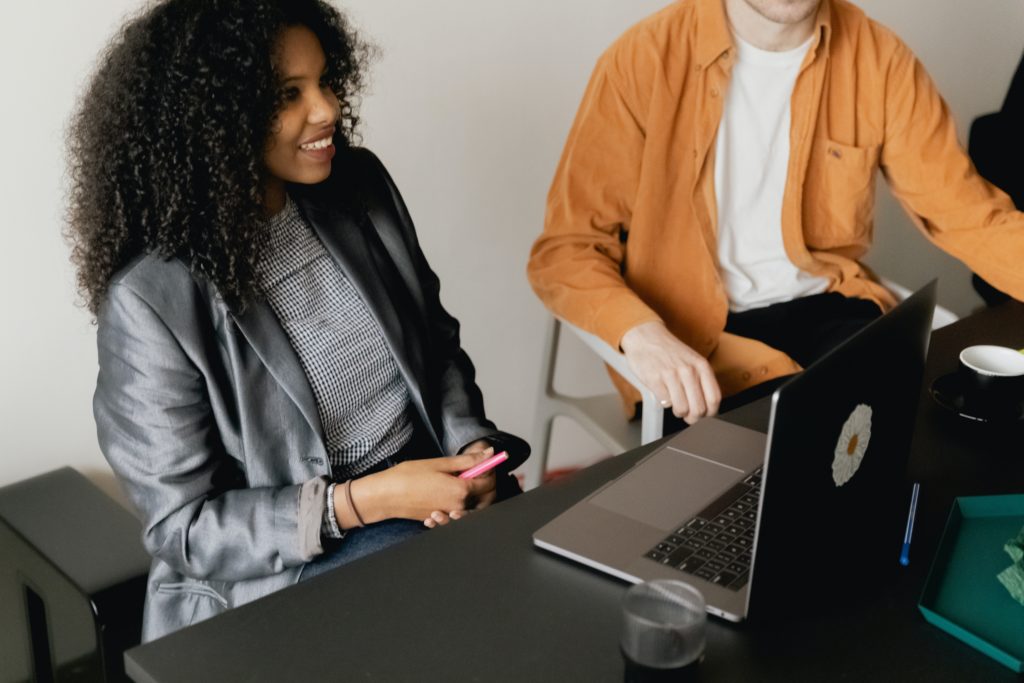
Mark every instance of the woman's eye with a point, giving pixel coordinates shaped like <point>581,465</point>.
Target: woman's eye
<point>290,94</point>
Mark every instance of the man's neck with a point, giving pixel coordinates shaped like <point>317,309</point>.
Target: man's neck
<point>763,33</point>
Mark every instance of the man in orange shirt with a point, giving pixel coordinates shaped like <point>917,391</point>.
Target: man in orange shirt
<point>716,193</point>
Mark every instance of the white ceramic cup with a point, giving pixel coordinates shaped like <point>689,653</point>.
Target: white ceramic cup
<point>993,377</point>
<point>993,361</point>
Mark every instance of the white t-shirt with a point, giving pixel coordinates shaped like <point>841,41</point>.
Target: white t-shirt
<point>752,157</point>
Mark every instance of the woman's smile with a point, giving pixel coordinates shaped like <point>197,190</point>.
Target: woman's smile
<point>321,150</point>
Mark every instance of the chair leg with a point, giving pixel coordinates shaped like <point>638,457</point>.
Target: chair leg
<point>651,422</point>
<point>537,465</point>
<point>543,420</point>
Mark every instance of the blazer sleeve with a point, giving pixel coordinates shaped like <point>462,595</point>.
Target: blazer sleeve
<point>460,401</point>
<point>156,430</point>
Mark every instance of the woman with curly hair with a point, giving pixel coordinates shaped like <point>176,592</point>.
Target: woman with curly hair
<point>280,390</point>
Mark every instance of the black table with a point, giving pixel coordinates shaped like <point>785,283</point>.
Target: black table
<point>475,601</point>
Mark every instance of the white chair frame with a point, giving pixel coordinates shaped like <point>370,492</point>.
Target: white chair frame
<point>602,416</point>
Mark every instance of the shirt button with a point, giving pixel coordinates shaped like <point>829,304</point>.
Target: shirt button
<point>714,92</point>
<point>746,376</point>
<point>697,68</point>
<point>763,371</point>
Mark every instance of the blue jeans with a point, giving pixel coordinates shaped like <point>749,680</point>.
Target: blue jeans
<point>361,542</point>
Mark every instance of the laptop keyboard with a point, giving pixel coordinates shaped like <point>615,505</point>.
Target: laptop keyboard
<point>716,545</point>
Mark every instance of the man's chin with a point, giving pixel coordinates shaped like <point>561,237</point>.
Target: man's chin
<point>785,11</point>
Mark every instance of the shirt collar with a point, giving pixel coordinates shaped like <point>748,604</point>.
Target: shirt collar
<point>714,37</point>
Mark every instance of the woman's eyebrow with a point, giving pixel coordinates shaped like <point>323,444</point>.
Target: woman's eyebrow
<point>299,77</point>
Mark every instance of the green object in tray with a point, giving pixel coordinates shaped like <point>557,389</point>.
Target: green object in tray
<point>962,595</point>
<point>1013,576</point>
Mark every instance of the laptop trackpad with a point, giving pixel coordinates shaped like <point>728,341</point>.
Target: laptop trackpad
<point>667,489</point>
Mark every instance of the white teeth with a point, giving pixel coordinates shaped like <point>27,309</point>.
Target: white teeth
<point>319,144</point>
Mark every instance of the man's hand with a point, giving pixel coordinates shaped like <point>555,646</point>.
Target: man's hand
<point>680,377</point>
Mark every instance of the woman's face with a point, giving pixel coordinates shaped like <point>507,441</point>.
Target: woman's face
<point>300,148</point>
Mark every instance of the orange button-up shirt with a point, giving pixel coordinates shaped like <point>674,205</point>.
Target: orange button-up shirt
<point>630,234</point>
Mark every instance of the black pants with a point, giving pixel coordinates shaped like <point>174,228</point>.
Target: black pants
<point>805,329</point>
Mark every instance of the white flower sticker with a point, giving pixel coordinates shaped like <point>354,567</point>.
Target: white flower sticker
<point>853,442</point>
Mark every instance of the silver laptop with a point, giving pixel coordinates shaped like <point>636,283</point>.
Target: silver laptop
<point>759,522</point>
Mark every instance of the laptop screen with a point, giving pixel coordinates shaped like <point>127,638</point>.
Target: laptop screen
<point>833,506</point>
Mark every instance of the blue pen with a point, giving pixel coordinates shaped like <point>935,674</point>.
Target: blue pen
<point>905,554</point>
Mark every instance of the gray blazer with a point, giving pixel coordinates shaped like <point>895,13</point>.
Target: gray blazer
<point>210,423</point>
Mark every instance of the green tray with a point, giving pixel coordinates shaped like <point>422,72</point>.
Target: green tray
<point>962,595</point>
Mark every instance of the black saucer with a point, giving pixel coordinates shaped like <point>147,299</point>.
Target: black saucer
<point>948,393</point>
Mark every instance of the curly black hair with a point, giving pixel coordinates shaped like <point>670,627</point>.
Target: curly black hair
<point>166,148</point>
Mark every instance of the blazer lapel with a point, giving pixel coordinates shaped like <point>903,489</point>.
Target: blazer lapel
<point>266,336</point>
<point>361,261</point>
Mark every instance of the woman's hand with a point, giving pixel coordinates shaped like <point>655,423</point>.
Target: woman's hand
<point>416,488</point>
<point>441,517</point>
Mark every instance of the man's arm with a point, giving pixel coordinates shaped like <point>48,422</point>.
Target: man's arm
<point>934,179</point>
<point>576,265</point>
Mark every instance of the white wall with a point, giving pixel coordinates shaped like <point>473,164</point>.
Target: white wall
<point>469,106</point>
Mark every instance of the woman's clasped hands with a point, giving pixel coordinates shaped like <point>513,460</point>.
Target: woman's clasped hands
<point>428,489</point>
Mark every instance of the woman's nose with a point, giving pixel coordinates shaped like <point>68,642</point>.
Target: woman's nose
<point>324,108</point>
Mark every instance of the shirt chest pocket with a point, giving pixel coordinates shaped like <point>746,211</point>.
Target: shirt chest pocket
<point>839,198</point>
